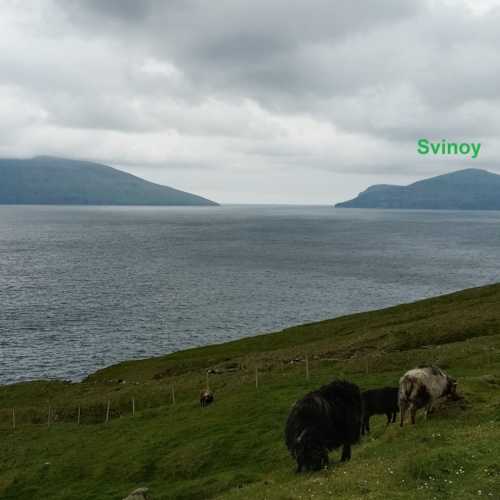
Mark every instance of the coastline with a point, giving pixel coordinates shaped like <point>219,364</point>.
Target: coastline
<point>248,345</point>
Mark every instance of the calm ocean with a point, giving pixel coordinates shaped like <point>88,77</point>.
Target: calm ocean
<point>85,287</point>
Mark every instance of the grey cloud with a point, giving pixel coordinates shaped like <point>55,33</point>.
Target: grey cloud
<point>323,86</point>
<point>122,11</point>
<point>230,44</point>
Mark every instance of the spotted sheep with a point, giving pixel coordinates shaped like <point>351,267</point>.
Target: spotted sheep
<point>206,397</point>
<point>421,388</point>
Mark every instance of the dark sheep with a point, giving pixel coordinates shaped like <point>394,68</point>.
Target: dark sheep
<point>382,401</point>
<point>322,421</point>
<point>206,397</point>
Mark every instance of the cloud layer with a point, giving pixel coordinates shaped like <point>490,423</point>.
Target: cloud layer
<point>264,101</point>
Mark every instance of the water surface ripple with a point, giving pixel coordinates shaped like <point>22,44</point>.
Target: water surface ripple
<point>85,287</point>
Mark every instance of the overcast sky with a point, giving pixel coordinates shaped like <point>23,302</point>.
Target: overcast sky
<point>254,101</point>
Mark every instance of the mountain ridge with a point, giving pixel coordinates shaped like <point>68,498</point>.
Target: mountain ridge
<point>467,189</point>
<point>48,180</point>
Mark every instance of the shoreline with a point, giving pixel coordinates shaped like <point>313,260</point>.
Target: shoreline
<point>249,339</point>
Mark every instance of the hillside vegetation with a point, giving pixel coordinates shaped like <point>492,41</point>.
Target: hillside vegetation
<point>234,449</point>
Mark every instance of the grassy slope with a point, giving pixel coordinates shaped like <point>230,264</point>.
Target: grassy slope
<point>234,449</point>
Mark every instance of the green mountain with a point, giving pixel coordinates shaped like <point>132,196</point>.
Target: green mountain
<point>46,180</point>
<point>470,189</point>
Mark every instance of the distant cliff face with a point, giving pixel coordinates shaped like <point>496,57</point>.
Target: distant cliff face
<point>469,189</point>
<point>45,180</point>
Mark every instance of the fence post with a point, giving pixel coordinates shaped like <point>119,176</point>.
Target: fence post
<point>79,414</point>
<point>256,377</point>
<point>107,411</point>
<point>133,407</point>
<point>307,367</point>
<point>173,394</point>
<point>13,419</point>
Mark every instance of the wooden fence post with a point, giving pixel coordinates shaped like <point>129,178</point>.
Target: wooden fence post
<point>78,415</point>
<point>133,407</point>
<point>13,419</point>
<point>256,377</point>
<point>173,394</point>
<point>107,411</point>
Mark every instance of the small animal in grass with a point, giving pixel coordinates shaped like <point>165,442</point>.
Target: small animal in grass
<point>421,388</point>
<point>206,397</point>
<point>321,421</point>
<point>382,401</point>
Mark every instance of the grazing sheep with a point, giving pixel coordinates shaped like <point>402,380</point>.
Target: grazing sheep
<point>422,387</point>
<point>324,420</point>
<point>206,397</point>
<point>139,494</point>
<point>379,402</point>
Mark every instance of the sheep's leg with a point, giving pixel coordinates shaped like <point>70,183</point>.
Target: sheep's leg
<point>403,407</point>
<point>388,415</point>
<point>346,453</point>
<point>394,417</point>
<point>326,460</point>
<point>367,425</point>
<point>413,413</point>
<point>428,410</point>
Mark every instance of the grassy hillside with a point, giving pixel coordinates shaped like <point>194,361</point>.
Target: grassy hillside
<point>234,449</point>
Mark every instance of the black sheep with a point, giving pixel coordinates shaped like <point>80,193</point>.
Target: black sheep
<point>379,402</point>
<point>324,420</point>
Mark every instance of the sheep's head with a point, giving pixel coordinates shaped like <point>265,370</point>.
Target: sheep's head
<point>451,389</point>
<point>310,452</point>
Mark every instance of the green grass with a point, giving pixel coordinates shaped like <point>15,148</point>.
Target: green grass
<point>234,449</point>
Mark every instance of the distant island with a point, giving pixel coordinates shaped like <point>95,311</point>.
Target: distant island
<point>469,189</point>
<point>47,180</point>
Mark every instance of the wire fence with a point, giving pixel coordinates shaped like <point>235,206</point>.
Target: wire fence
<point>103,412</point>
